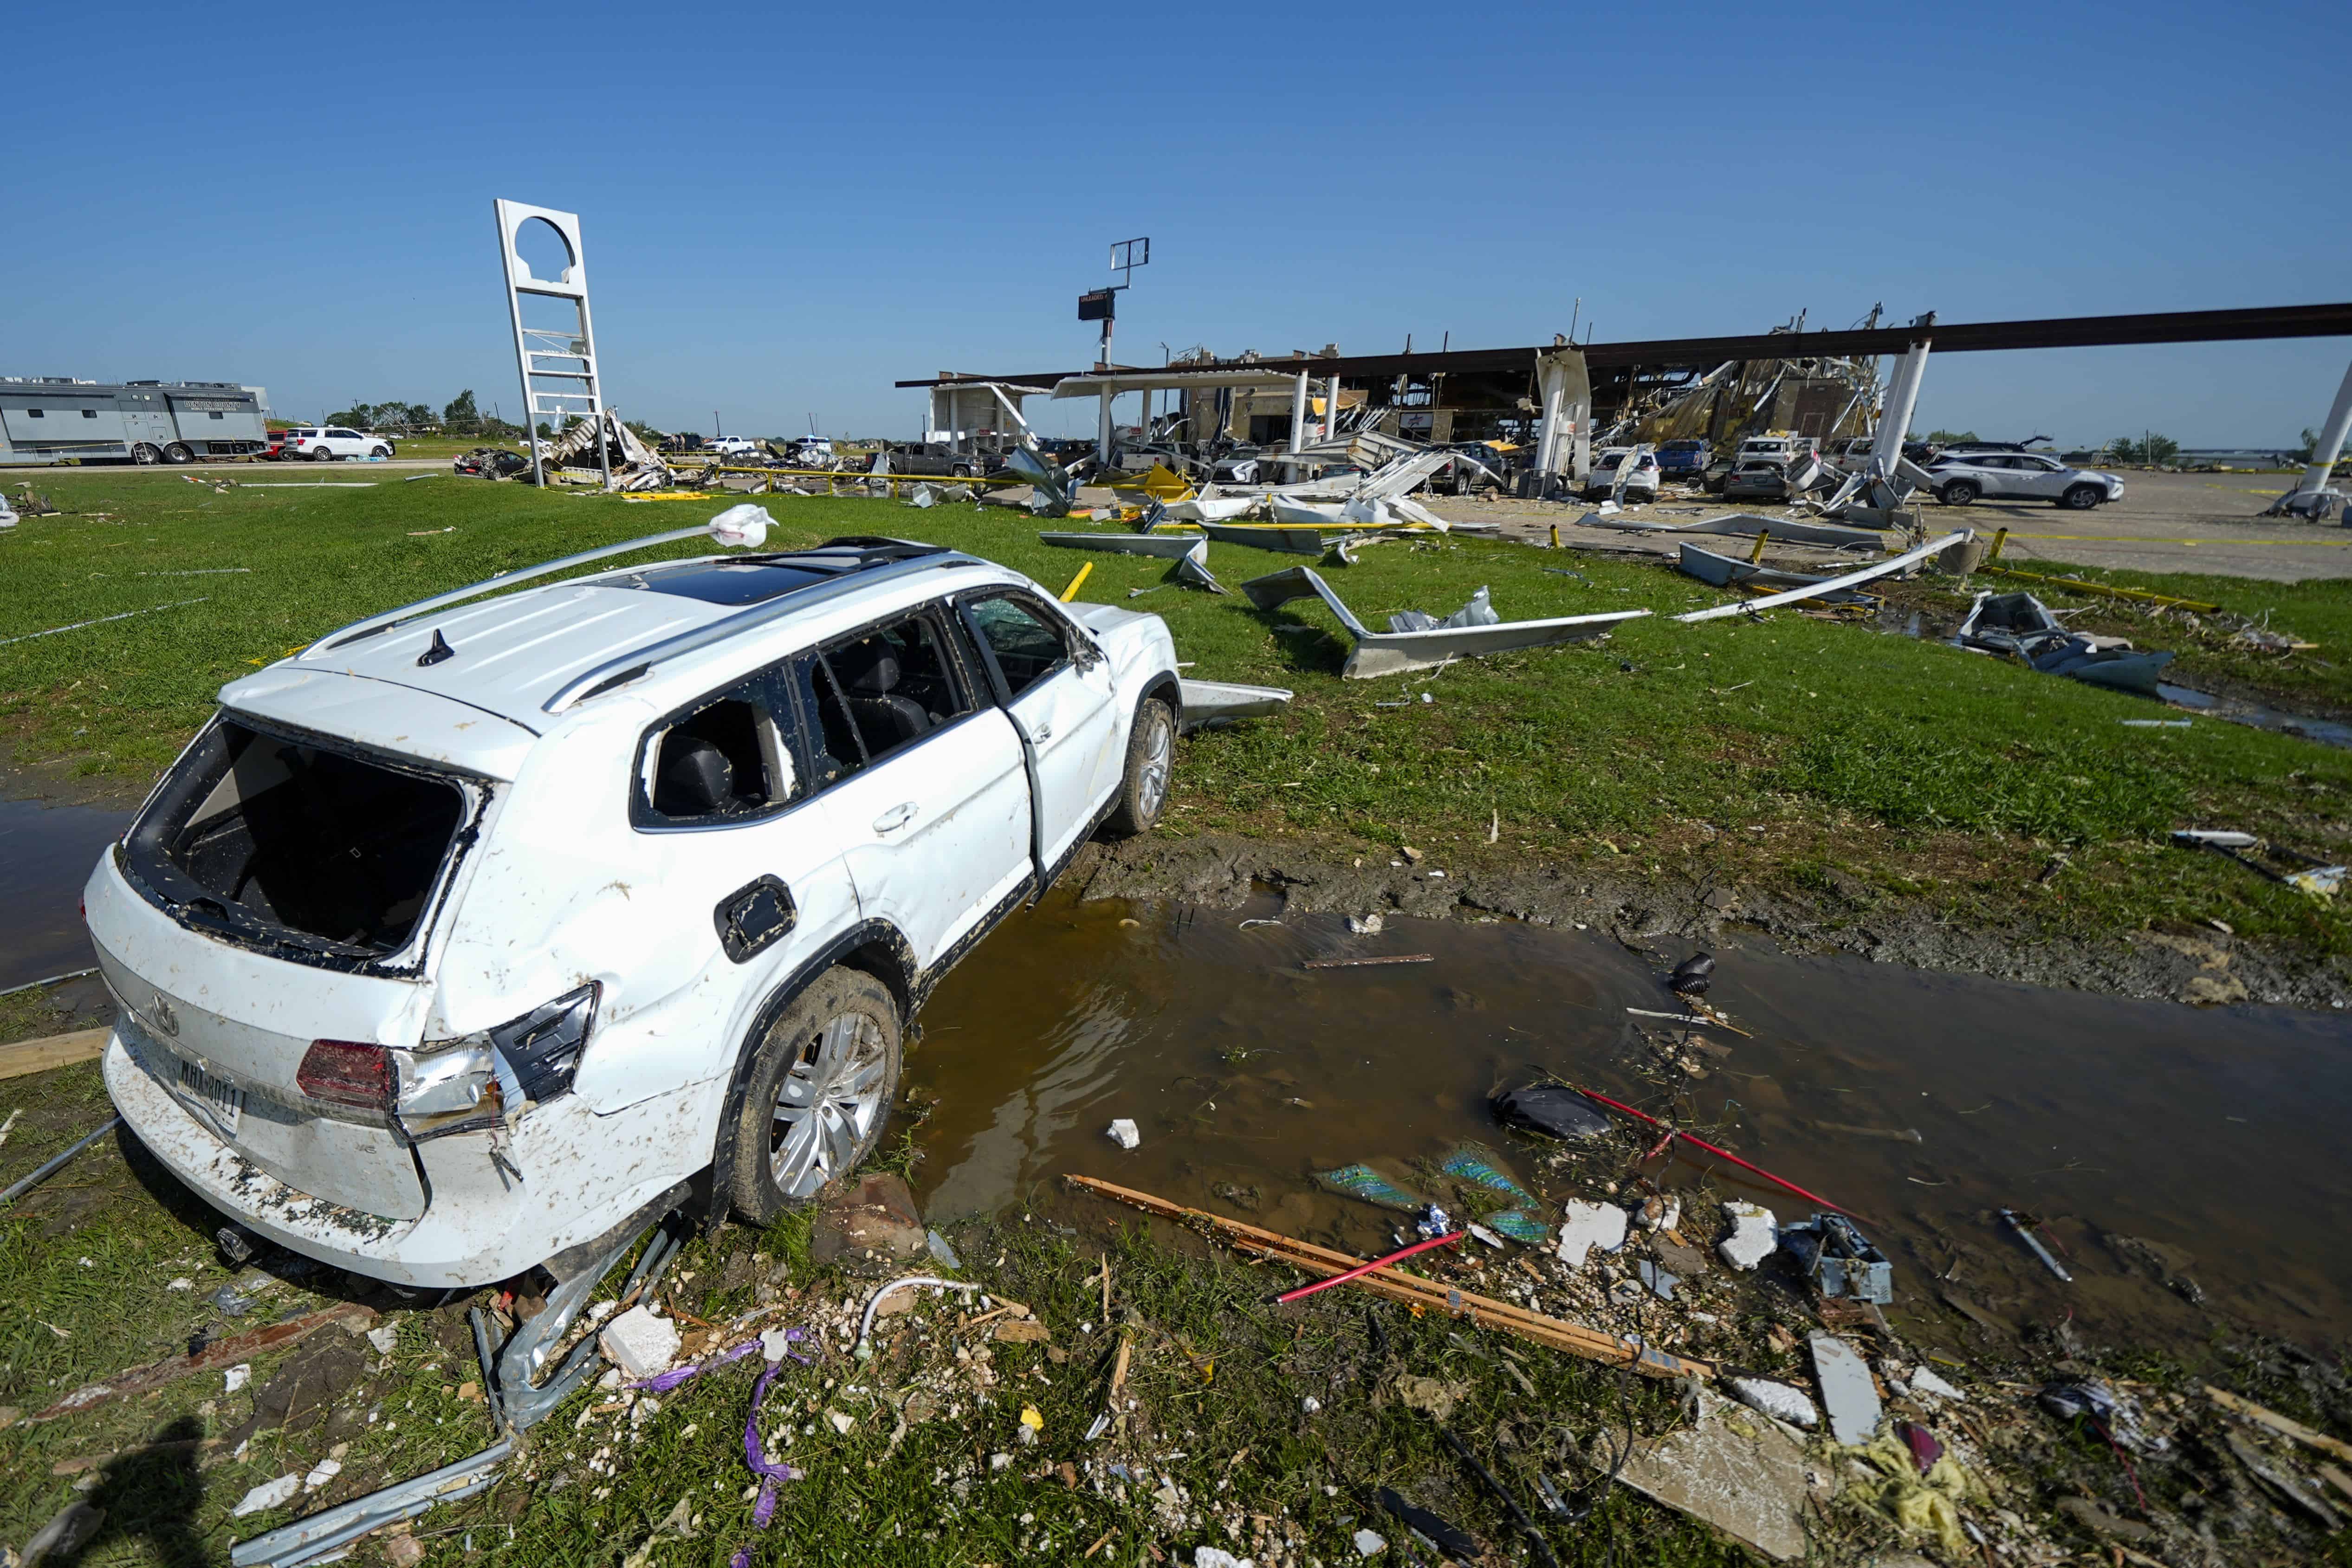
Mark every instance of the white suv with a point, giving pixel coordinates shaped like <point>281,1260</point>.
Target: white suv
<point>1640,473</point>
<point>475,938</point>
<point>1963,477</point>
<point>324,444</point>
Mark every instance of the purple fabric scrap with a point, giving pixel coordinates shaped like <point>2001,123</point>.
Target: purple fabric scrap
<point>663,1382</point>
<point>766,1509</point>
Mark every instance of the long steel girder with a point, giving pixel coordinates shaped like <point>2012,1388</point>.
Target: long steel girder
<point>1959,337</point>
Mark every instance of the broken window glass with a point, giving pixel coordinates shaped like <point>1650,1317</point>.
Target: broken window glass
<point>834,749</point>
<point>1026,645</point>
<point>722,760</point>
<point>898,683</point>
<point>261,835</point>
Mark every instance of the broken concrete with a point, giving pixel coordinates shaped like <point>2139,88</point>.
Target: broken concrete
<point>1731,1470</point>
<point>1846,1389</point>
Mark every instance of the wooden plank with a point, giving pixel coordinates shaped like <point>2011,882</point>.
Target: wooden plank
<point>1412,1290</point>
<point>52,1051</point>
<point>212,1358</point>
<point>2284,1425</point>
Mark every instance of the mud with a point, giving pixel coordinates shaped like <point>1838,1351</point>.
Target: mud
<point>1651,914</point>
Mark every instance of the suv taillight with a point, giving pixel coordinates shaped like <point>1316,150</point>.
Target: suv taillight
<point>346,1072</point>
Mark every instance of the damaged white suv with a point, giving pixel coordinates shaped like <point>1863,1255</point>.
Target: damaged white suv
<point>480,936</point>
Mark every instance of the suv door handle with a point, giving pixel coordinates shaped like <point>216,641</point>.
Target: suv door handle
<point>897,818</point>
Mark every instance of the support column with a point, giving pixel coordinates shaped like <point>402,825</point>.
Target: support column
<point>1895,419</point>
<point>1331,408</point>
<point>1102,428</point>
<point>2331,443</point>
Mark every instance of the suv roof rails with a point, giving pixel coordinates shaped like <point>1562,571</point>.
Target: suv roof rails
<point>855,553</point>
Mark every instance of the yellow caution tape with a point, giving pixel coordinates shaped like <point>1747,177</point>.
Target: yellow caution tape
<point>2127,539</point>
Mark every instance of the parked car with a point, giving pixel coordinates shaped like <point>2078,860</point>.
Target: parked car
<point>732,445</point>
<point>1684,459</point>
<point>470,937</point>
<point>1757,479</point>
<point>325,444</point>
<point>274,448</point>
<point>1641,474</point>
<point>1964,477</point>
<point>1851,455</point>
<point>1777,446</point>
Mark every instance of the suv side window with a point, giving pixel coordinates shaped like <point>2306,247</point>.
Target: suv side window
<point>897,682</point>
<point>834,752</point>
<point>725,760</point>
<point>1026,645</point>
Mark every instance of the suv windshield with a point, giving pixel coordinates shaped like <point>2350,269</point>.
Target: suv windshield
<point>265,836</point>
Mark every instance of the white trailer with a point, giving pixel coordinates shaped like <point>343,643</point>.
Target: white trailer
<point>56,419</point>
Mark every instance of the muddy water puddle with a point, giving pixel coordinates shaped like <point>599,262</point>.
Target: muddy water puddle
<point>1926,1103</point>
<point>46,854</point>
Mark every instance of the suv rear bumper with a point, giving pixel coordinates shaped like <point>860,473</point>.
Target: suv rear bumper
<point>581,1174</point>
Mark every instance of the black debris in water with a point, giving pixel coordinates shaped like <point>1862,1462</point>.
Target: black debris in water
<point>1694,974</point>
<point>1551,1108</point>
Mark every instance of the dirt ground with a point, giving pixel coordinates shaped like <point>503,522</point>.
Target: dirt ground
<point>2166,522</point>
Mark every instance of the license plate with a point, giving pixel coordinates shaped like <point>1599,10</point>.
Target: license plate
<point>221,1102</point>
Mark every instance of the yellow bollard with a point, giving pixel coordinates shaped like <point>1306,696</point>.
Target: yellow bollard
<point>1757,554</point>
<point>1555,536</point>
<point>1999,538</point>
<point>1077,582</point>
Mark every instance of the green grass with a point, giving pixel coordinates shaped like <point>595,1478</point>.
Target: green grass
<point>1219,1376</point>
<point>1773,752</point>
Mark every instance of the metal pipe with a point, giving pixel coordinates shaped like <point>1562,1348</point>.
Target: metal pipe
<point>2025,1234</point>
<point>28,1184</point>
<point>864,1348</point>
<point>52,980</point>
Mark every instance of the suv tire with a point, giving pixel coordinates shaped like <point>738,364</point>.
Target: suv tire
<point>1151,760</point>
<point>322,453</point>
<point>1960,492</point>
<point>379,451</point>
<point>2082,498</point>
<point>819,1088</point>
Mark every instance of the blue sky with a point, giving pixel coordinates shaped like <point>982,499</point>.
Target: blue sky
<point>784,210</point>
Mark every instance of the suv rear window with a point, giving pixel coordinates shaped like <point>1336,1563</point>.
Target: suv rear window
<point>274,839</point>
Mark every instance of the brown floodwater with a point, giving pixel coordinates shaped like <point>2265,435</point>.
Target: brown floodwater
<point>46,854</point>
<point>2216,1134</point>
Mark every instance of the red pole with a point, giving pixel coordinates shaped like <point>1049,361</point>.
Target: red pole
<point>1722,1153</point>
<point>1290,1296</point>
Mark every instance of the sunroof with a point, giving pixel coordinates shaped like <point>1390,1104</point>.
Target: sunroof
<point>724,582</point>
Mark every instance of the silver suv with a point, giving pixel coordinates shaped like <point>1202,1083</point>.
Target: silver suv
<point>1964,477</point>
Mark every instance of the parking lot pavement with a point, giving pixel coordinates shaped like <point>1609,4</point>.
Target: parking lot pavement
<point>2166,522</point>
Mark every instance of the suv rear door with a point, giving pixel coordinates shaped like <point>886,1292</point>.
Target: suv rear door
<point>725,799</point>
